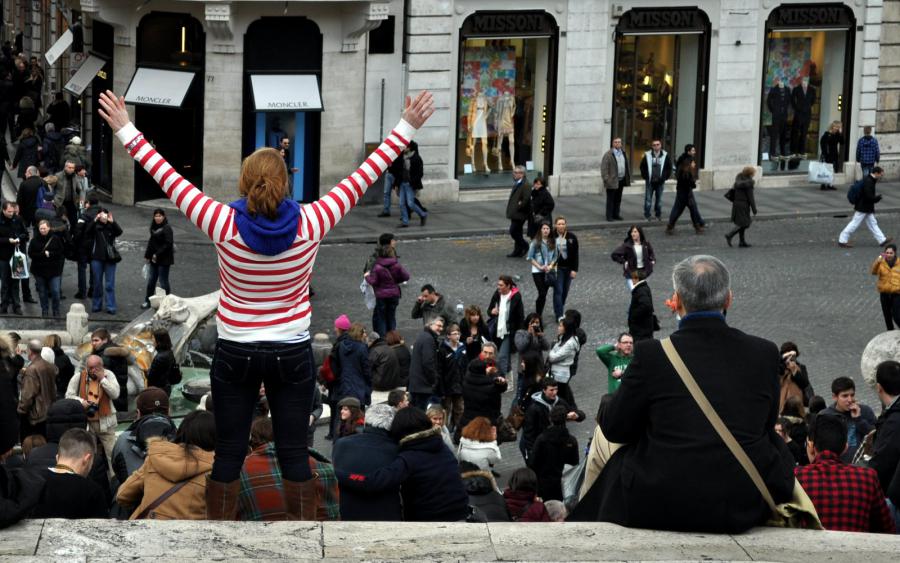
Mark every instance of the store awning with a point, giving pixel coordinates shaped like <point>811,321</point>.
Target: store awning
<point>84,75</point>
<point>286,92</point>
<point>155,87</point>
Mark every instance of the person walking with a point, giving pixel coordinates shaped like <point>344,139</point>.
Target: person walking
<point>686,178</point>
<point>517,211</point>
<point>868,154</point>
<point>656,168</point>
<point>742,203</point>
<point>47,253</point>
<point>103,231</point>
<point>543,256</point>
<point>410,184</point>
<point>566,265</point>
<point>888,271</point>
<point>830,144</point>
<point>160,255</point>
<point>385,278</point>
<point>635,254</point>
<point>27,153</point>
<point>616,174</point>
<point>264,341</point>
<point>864,211</point>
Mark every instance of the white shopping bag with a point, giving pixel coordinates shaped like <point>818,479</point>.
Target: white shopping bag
<point>368,293</point>
<point>19,265</point>
<point>821,172</point>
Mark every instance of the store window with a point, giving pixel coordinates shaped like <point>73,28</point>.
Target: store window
<point>660,86</point>
<point>806,87</point>
<point>507,82</point>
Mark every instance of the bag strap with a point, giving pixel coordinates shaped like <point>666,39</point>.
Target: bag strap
<point>716,422</point>
<point>161,499</point>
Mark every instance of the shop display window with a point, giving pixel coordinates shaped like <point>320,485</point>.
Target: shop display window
<point>502,109</point>
<point>802,99</point>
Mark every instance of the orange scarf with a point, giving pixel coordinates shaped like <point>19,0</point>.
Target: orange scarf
<point>92,392</point>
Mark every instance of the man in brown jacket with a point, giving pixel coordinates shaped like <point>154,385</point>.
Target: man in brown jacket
<point>616,175</point>
<point>38,392</point>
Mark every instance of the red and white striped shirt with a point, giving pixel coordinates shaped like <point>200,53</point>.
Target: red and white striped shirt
<point>265,298</point>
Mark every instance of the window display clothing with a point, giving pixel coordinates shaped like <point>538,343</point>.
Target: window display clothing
<point>778,101</point>
<point>802,100</point>
<point>504,112</point>
<point>477,119</point>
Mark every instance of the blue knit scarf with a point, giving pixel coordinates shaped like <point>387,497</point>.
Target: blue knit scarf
<point>265,236</point>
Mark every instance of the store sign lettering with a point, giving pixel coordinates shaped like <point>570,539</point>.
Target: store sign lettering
<point>811,16</point>
<point>287,105</point>
<point>656,19</point>
<point>509,23</point>
<point>153,100</point>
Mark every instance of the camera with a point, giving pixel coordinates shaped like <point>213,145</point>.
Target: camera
<point>92,409</point>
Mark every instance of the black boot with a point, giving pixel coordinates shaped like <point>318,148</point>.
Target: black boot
<point>729,236</point>
<point>743,243</point>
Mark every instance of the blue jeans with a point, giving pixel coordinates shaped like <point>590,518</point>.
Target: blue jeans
<point>384,317</point>
<point>504,355</point>
<point>866,169</point>
<point>104,271</point>
<point>561,291</point>
<point>48,292</point>
<point>649,191</point>
<point>161,273</point>
<point>388,185</point>
<point>895,512</point>
<point>287,370</point>
<point>407,202</point>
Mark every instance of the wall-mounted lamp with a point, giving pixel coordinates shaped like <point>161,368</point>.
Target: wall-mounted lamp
<point>737,43</point>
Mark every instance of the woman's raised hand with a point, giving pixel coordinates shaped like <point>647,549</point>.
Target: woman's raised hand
<point>418,110</point>
<point>112,109</point>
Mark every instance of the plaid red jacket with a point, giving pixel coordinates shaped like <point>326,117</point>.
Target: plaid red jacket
<point>847,497</point>
<point>262,492</point>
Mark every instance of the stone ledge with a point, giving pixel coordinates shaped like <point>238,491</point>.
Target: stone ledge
<point>200,541</point>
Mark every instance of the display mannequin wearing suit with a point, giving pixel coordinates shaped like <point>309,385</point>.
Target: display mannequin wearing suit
<point>675,472</point>
<point>803,97</point>
<point>779,102</point>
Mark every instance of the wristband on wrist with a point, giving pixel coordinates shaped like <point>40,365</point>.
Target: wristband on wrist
<point>134,142</point>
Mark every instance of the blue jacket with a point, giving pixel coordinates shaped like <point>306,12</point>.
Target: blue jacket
<point>432,488</point>
<point>356,379</point>
<point>366,453</point>
<point>867,151</point>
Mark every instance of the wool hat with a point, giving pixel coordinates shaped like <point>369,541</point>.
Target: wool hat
<point>342,322</point>
<point>385,239</point>
<point>349,402</point>
<point>152,399</point>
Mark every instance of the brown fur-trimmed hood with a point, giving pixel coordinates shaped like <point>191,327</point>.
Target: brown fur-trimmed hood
<point>418,436</point>
<point>479,482</point>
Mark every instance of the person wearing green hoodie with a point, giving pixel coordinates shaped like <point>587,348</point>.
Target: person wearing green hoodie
<point>616,358</point>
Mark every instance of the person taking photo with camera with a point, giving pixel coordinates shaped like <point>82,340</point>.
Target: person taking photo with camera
<point>96,388</point>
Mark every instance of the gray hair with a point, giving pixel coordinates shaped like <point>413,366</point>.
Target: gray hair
<point>49,127</point>
<point>75,443</point>
<point>380,416</point>
<point>35,345</point>
<point>520,169</point>
<point>489,345</point>
<point>32,171</point>
<point>702,282</point>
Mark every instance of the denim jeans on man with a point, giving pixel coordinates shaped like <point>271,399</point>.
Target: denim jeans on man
<point>159,273</point>
<point>561,291</point>
<point>866,169</point>
<point>287,370</point>
<point>407,202</point>
<point>388,180</point>
<point>650,190</point>
<point>48,293</point>
<point>104,273</point>
<point>384,316</point>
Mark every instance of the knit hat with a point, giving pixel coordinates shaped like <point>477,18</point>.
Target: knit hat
<point>342,322</point>
<point>349,402</point>
<point>385,239</point>
<point>152,399</point>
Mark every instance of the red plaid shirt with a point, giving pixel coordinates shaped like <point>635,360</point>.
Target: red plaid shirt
<point>847,497</point>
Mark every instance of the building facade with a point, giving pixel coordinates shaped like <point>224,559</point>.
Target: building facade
<point>546,85</point>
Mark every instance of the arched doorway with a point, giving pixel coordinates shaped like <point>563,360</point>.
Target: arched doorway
<point>171,42</point>
<point>282,95</point>
<point>661,75</point>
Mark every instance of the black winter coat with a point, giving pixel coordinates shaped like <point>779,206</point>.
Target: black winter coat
<point>626,256</point>
<point>12,228</point>
<point>518,207</point>
<point>84,244</point>
<point>100,235</point>
<point>552,450</point>
<point>161,244</point>
<point>483,495</point>
<point>886,455</point>
<point>542,205</point>
<point>516,318</point>
<point>164,371</point>
<point>404,359</point>
<point>428,475</point>
<point>744,201</point>
<point>65,371</point>
<point>537,418</point>
<point>676,473</point>
<point>867,197</point>
<point>356,378</point>
<point>20,491</point>
<point>571,260</point>
<point>473,349</point>
<point>26,197</point>
<point>423,367</point>
<point>640,312</point>
<point>26,154</point>
<point>42,265</point>
<point>384,366</point>
<point>482,394</point>
<point>829,145</point>
<point>451,369</point>
<point>365,453</point>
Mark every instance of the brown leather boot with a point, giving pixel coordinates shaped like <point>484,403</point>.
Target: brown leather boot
<point>670,229</point>
<point>698,229</point>
<point>221,499</point>
<point>302,499</point>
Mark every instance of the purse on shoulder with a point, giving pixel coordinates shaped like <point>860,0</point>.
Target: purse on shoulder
<point>799,512</point>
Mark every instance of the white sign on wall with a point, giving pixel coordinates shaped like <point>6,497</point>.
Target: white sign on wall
<point>155,87</point>
<point>58,48</point>
<point>86,73</point>
<point>286,92</point>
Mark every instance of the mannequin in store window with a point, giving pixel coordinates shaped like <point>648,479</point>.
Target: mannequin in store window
<point>478,111</point>
<point>803,97</point>
<point>505,112</point>
<point>778,101</point>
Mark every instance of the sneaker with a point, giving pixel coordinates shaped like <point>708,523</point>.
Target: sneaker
<point>422,220</point>
<point>383,214</point>
<point>845,244</point>
<point>145,305</point>
<point>887,241</point>
<point>403,226</point>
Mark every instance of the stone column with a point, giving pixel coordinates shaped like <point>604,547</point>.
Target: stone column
<point>122,164</point>
<point>222,123</point>
<point>887,57</point>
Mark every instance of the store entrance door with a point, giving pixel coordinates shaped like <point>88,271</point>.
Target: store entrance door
<point>660,86</point>
<point>287,131</point>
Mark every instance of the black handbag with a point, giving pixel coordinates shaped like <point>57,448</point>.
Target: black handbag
<point>112,255</point>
